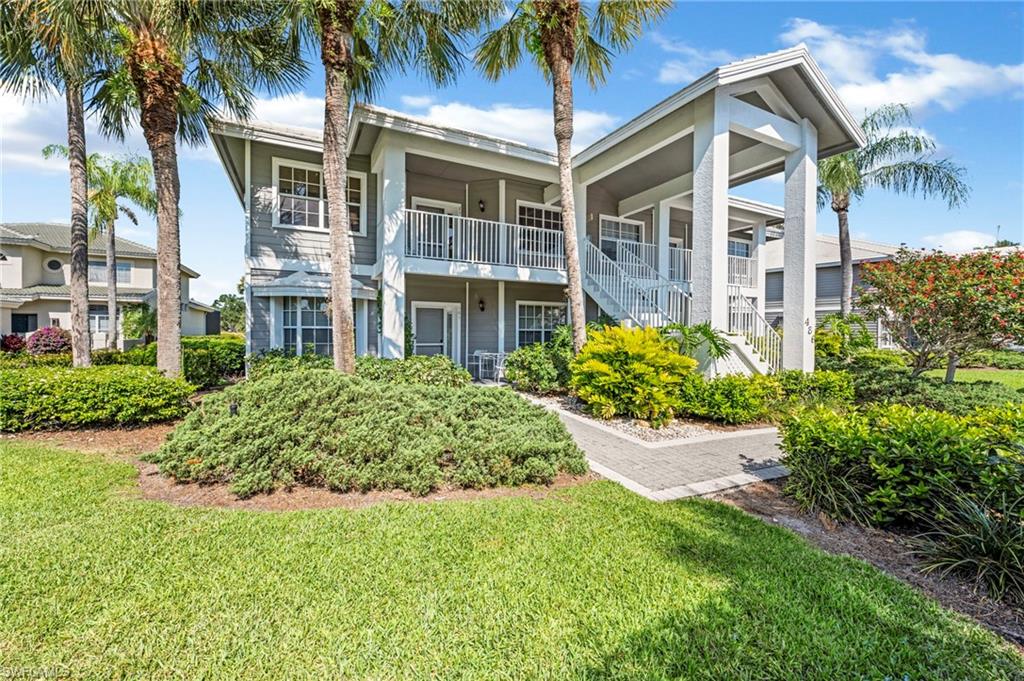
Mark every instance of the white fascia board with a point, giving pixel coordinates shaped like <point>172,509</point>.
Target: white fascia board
<point>295,138</point>
<point>446,268</point>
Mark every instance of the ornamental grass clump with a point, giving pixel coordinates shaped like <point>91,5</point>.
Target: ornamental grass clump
<point>323,428</point>
<point>630,371</point>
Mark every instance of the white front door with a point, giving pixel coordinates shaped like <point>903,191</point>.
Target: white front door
<point>435,329</point>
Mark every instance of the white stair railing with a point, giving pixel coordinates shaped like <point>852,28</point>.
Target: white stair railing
<point>671,297</point>
<point>679,264</point>
<point>746,320</point>
<point>742,271</point>
<point>637,302</point>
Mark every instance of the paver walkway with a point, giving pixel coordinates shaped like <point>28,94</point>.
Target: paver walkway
<point>679,468</point>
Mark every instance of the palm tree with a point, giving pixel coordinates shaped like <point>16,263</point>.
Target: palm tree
<point>48,46</point>
<point>563,36</point>
<point>895,158</point>
<point>173,62</point>
<point>360,44</point>
<point>110,181</point>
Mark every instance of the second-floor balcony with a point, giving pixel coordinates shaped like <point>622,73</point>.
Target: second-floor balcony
<point>437,236</point>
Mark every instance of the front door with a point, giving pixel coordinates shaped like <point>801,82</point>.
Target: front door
<point>435,329</point>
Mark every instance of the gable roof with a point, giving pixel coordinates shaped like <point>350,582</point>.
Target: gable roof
<point>56,237</point>
<point>827,251</point>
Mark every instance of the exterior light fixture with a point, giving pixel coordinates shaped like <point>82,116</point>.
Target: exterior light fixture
<point>482,205</point>
<point>482,305</point>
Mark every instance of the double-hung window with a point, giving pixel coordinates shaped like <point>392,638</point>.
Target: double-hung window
<point>535,322</point>
<point>541,246</point>
<point>99,322</point>
<point>301,196</point>
<point>740,249</point>
<point>616,231</point>
<point>98,272</point>
<point>307,326</point>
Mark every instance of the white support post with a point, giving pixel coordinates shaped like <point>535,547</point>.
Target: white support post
<point>276,322</point>
<point>501,316</point>
<point>760,235</point>
<point>393,252</point>
<point>709,269</point>
<point>661,234</point>
<point>798,252</point>
<point>502,233</point>
<point>579,198</point>
<point>363,337</point>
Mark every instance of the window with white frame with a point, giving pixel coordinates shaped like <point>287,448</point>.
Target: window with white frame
<point>307,326</point>
<point>99,321</point>
<point>615,230</point>
<point>98,272</point>
<point>536,215</point>
<point>301,196</point>
<point>740,249</point>
<point>535,322</point>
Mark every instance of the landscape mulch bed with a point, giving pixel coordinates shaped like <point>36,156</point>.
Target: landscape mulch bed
<point>886,550</point>
<point>129,444</point>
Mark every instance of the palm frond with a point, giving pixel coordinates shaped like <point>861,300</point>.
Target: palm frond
<point>501,50</point>
<point>923,177</point>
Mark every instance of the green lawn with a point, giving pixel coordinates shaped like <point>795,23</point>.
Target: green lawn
<point>1011,377</point>
<point>594,582</point>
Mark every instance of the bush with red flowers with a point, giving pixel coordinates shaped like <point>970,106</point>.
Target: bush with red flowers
<point>49,340</point>
<point>12,343</point>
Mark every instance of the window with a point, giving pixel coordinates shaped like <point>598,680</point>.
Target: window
<point>98,272</point>
<point>307,327</point>
<point>614,230</point>
<point>535,322</point>
<point>301,196</point>
<point>99,321</point>
<point>53,265</point>
<point>740,249</point>
<point>535,215</point>
<point>24,323</point>
<point>543,246</point>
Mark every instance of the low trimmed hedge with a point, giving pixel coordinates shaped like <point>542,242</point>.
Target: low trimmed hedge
<point>993,359</point>
<point>47,397</point>
<point>893,463</point>
<point>542,368</point>
<point>436,370</point>
<point>321,427</point>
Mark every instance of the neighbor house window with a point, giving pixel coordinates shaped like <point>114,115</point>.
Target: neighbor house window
<point>307,326</point>
<point>98,272</point>
<point>99,321</point>
<point>740,249</point>
<point>301,196</point>
<point>535,322</point>
<point>24,323</point>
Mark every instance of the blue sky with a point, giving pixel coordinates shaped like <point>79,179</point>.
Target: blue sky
<point>959,65</point>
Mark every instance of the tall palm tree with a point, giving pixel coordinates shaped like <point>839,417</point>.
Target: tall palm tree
<point>565,36</point>
<point>111,181</point>
<point>361,42</point>
<point>48,46</point>
<point>895,158</point>
<point>173,63</point>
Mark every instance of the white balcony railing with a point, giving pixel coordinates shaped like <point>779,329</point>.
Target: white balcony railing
<point>450,237</point>
<point>742,271</point>
<point>679,264</point>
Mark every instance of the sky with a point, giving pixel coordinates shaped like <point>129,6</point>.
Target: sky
<point>959,66</point>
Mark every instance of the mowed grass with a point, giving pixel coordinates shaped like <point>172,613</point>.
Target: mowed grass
<point>592,582</point>
<point>1011,377</point>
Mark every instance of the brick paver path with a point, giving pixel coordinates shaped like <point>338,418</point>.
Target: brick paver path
<point>665,471</point>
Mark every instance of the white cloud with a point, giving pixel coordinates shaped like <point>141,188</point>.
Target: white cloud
<point>207,289</point>
<point>920,78</point>
<point>959,240</point>
<point>691,62</point>
<point>529,125</point>
<point>416,101</point>
<point>297,110</point>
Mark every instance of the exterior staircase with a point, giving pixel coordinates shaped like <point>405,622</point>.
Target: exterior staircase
<point>753,338</point>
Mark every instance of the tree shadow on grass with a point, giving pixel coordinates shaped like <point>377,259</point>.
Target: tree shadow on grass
<point>788,611</point>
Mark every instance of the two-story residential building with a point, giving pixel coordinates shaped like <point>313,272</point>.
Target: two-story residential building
<point>457,236</point>
<point>35,277</point>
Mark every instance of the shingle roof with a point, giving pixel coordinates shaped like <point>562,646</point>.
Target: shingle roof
<point>44,291</point>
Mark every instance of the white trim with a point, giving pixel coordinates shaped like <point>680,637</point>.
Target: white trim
<point>501,316</point>
<point>448,268</point>
<point>248,199</point>
<point>615,218</point>
<point>451,346</point>
<point>543,303</point>
<point>364,187</point>
<point>275,164</point>
<point>446,206</point>
<point>363,317</point>
<point>534,204</point>
<point>322,266</point>
<point>501,200</point>
<point>276,322</point>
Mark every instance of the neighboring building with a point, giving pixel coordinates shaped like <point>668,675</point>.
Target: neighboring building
<point>35,270</point>
<point>829,278</point>
<point>459,235</point>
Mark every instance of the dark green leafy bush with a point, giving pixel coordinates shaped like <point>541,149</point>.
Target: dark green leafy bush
<point>979,539</point>
<point>730,399</point>
<point>995,359</point>
<point>630,371</point>
<point>542,367</point>
<point>839,336</point>
<point>276,361</point>
<point>433,370</point>
<point>960,398</point>
<point>206,360</point>
<point>42,397</point>
<point>23,360</point>
<point>827,387</point>
<point>321,427</point>
<point>889,463</point>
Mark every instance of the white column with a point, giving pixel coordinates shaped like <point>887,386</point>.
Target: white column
<point>579,197</point>
<point>661,234</point>
<point>501,316</point>
<point>502,233</point>
<point>760,231</point>
<point>709,269</point>
<point>363,337</point>
<point>393,252</point>
<point>798,252</point>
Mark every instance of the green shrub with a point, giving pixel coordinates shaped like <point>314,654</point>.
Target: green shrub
<point>321,427</point>
<point>542,367</point>
<point>631,371</point>
<point>43,397</point>
<point>994,359</point>
<point>277,360</point>
<point>730,399</point>
<point>827,387</point>
<point>839,336</point>
<point>23,360</point>
<point>981,540</point>
<point>206,360</point>
<point>436,370</point>
<point>890,463</point>
<point>959,398</point>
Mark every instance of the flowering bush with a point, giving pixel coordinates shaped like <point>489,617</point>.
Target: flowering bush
<point>12,343</point>
<point>49,340</point>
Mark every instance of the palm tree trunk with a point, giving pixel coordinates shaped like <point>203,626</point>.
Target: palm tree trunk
<point>561,75</point>
<point>81,343</point>
<point>111,288</point>
<point>336,53</point>
<point>845,259</point>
